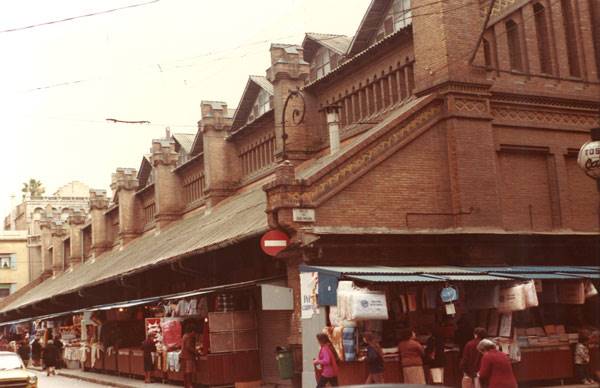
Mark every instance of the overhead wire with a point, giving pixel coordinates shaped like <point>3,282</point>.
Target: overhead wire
<point>77,17</point>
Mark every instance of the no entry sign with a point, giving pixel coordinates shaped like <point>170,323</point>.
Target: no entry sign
<point>273,242</point>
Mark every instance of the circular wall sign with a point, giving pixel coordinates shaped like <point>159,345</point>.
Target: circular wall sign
<point>273,242</point>
<point>589,159</point>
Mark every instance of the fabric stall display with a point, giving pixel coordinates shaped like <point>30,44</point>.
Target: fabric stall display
<point>360,303</point>
<point>429,298</point>
<point>171,331</point>
<point>173,363</point>
<point>483,297</point>
<point>550,293</point>
<point>202,307</point>
<point>95,353</point>
<point>334,316</point>
<point>349,342</point>
<point>224,303</point>
<point>571,293</point>
<point>336,338</point>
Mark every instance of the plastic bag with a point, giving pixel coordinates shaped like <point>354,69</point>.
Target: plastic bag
<point>531,298</point>
<point>590,289</point>
<point>512,299</point>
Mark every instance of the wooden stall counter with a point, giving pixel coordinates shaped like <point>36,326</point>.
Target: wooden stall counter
<point>228,368</point>
<point>355,372</point>
<point>544,364</point>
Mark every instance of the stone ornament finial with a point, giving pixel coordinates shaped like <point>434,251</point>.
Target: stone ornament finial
<point>98,199</point>
<point>77,217</point>
<point>45,223</point>
<point>58,229</point>
<point>125,179</point>
<point>163,152</point>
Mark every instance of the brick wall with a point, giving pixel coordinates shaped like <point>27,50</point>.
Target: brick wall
<point>414,180</point>
<point>583,197</point>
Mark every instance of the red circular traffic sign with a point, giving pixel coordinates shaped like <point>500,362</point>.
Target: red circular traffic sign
<point>273,242</point>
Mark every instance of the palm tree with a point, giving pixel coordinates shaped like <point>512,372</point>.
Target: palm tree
<point>34,188</point>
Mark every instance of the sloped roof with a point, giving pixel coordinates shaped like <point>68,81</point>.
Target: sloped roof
<point>312,168</point>
<point>253,86</point>
<point>144,171</point>
<point>367,53</point>
<point>368,26</point>
<point>312,41</point>
<point>185,141</point>
<point>234,219</point>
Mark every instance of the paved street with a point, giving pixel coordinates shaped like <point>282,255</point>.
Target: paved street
<point>61,382</point>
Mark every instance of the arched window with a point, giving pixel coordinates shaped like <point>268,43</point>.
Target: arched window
<point>543,38</point>
<point>514,46</point>
<point>571,38</point>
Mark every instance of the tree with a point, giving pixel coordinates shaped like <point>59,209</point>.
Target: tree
<point>34,187</point>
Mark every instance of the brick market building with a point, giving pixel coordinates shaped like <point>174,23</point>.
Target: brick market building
<point>408,152</point>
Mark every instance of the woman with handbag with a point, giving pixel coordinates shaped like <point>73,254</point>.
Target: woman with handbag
<point>326,363</point>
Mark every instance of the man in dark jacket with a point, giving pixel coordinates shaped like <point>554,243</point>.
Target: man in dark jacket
<point>36,351</point>
<point>50,357</point>
<point>24,351</point>
<point>471,358</point>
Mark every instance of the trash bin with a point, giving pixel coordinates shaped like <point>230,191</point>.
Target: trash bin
<point>285,362</point>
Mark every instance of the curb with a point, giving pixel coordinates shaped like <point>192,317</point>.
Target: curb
<point>90,379</point>
<point>94,380</point>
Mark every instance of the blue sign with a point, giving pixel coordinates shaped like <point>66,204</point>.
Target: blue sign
<point>449,295</point>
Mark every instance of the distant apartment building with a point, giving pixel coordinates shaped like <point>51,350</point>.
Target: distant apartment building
<point>14,268</point>
<point>33,213</point>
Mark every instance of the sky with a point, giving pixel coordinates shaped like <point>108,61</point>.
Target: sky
<point>154,62</point>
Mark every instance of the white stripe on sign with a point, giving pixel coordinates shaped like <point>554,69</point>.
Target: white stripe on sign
<point>275,243</point>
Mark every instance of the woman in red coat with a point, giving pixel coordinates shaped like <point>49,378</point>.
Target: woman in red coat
<point>495,367</point>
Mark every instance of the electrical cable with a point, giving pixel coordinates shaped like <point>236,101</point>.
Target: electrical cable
<point>78,17</point>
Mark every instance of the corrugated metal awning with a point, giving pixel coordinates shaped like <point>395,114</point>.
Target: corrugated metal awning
<point>394,278</point>
<point>384,274</point>
<point>537,276</point>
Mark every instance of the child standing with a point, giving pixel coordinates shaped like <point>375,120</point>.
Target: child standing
<point>582,360</point>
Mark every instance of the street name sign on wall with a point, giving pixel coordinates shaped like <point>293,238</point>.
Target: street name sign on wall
<point>273,242</point>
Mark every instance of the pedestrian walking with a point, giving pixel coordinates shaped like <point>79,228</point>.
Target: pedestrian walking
<point>188,355</point>
<point>496,369</point>
<point>50,357</point>
<point>24,352</point>
<point>411,358</point>
<point>374,359</point>
<point>59,351</point>
<point>326,362</point>
<point>471,359</point>
<point>435,357</point>
<point>148,347</point>
<point>36,351</point>
<point>582,360</point>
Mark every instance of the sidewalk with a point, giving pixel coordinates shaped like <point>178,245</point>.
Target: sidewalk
<point>107,380</point>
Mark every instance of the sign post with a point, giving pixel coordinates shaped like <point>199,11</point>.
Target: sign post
<point>273,242</point>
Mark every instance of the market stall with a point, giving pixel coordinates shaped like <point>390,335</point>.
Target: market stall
<point>533,314</point>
